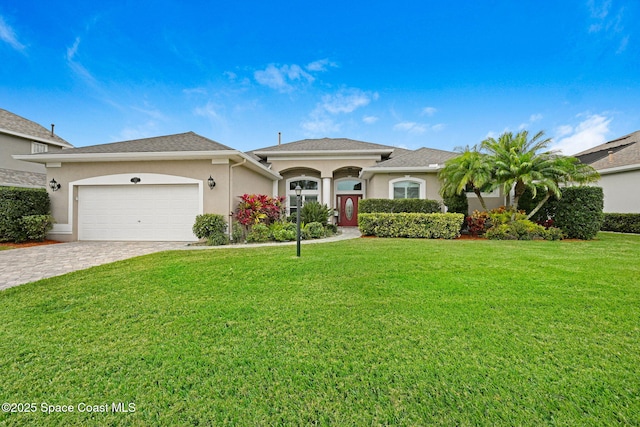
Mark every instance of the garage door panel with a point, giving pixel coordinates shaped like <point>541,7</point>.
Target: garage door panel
<point>141,212</point>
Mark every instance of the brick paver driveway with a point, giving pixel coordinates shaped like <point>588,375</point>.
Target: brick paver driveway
<point>19,266</point>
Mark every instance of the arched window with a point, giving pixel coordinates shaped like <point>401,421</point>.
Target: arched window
<point>310,191</point>
<point>407,188</point>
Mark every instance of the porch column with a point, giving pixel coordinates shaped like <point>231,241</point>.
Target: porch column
<point>326,192</point>
<point>274,189</point>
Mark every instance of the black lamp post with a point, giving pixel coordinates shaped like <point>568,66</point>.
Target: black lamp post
<point>298,194</point>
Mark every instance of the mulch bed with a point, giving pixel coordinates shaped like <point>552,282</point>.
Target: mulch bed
<point>29,244</point>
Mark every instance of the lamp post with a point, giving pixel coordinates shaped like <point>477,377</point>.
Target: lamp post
<point>298,194</point>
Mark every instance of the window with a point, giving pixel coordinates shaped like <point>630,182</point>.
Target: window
<point>348,185</point>
<point>37,147</point>
<point>310,192</point>
<point>406,190</point>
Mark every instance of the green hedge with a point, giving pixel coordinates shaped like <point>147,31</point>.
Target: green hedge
<point>399,205</point>
<point>16,203</point>
<point>578,212</point>
<point>423,225</point>
<point>621,222</point>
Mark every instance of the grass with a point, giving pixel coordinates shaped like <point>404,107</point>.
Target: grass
<point>362,332</point>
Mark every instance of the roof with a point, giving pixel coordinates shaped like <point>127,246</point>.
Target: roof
<point>13,124</point>
<point>618,153</point>
<point>187,141</point>
<point>422,157</point>
<point>324,145</point>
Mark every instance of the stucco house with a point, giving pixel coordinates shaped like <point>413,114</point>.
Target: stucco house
<point>153,188</point>
<point>21,136</point>
<point>618,163</point>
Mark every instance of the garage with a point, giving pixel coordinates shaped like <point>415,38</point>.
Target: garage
<point>137,212</point>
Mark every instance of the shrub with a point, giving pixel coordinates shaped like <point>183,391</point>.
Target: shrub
<point>621,222</point>
<point>255,208</point>
<point>478,223</point>
<point>433,225</point>
<point>314,212</point>
<point>579,211</point>
<point>502,215</point>
<point>522,229</point>
<point>282,231</point>
<point>398,206</point>
<point>34,227</point>
<point>554,233</point>
<point>315,229</point>
<point>457,203</point>
<point>330,229</point>
<point>16,203</point>
<point>259,233</point>
<point>207,225</point>
<point>238,232</point>
<point>218,239</point>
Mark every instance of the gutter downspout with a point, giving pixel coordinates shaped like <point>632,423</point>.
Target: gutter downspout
<point>230,222</point>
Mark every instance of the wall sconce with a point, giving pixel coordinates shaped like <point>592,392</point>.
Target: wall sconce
<point>53,184</point>
<point>135,180</point>
<point>212,182</point>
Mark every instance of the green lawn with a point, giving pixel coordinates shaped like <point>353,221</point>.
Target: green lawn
<point>361,332</point>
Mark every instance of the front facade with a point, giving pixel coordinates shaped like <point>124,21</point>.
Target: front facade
<point>153,188</point>
<point>618,163</point>
<point>21,136</point>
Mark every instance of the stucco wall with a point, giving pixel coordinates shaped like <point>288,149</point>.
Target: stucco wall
<point>13,145</point>
<point>325,167</point>
<point>378,185</point>
<point>621,194</point>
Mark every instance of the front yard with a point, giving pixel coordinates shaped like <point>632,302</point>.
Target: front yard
<point>362,332</point>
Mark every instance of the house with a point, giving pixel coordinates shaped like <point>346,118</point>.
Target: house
<point>153,188</point>
<point>618,163</point>
<point>21,136</point>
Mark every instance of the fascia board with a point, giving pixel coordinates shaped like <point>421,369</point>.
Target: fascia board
<point>36,138</point>
<point>619,169</point>
<point>367,173</point>
<point>322,153</point>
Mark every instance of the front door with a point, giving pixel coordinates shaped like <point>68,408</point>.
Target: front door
<point>348,210</point>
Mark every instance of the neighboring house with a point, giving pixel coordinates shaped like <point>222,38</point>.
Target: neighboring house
<point>618,163</point>
<point>153,188</point>
<point>21,136</point>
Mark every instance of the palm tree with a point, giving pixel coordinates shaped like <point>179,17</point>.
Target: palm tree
<point>469,169</point>
<point>520,163</point>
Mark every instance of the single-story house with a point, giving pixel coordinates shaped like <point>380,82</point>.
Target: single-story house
<point>153,188</point>
<point>21,136</point>
<point>618,163</point>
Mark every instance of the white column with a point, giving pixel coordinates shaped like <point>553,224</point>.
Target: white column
<point>326,192</point>
<point>275,189</point>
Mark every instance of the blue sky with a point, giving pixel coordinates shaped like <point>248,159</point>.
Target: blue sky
<point>402,73</point>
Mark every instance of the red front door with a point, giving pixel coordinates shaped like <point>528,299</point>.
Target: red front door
<point>348,210</point>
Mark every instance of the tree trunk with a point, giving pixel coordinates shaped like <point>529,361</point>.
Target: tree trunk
<point>537,208</point>
<point>479,194</point>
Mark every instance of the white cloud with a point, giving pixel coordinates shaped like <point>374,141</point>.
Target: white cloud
<point>532,119</point>
<point>411,127</point>
<point>8,35</point>
<point>320,65</point>
<point>370,119</point>
<point>588,133</point>
<point>319,126</point>
<point>346,101</point>
<point>438,127</point>
<point>281,78</point>
<point>429,111</point>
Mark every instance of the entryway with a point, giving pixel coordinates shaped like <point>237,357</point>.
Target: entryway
<point>348,206</point>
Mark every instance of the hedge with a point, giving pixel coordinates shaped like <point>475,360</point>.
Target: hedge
<point>578,212</point>
<point>422,225</point>
<point>621,222</point>
<point>16,203</point>
<point>399,205</point>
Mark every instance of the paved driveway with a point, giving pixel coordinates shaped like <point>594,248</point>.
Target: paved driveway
<point>24,265</point>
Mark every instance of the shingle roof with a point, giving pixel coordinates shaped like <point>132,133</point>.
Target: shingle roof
<point>423,157</point>
<point>326,144</point>
<point>623,151</point>
<point>14,124</point>
<point>188,141</point>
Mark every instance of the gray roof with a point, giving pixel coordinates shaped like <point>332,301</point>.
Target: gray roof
<point>14,124</point>
<point>14,178</point>
<point>623,151</point>
<point>188,141</point>
<point>326,144</point>
<point>422,157</point>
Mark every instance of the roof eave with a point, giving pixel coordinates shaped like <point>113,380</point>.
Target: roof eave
<point>320,152</point>
<point>36,138</point>
<point>367,173</point>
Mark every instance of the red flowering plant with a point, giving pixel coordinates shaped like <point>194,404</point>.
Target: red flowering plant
<point>478,223</point>
<point>258,208</point>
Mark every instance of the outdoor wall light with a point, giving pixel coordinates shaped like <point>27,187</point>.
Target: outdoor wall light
<point>53,184</point>
<point>135,180</point>
<point>212,182</point>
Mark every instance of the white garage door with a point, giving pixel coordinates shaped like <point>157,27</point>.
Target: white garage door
<point>137,212</point>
